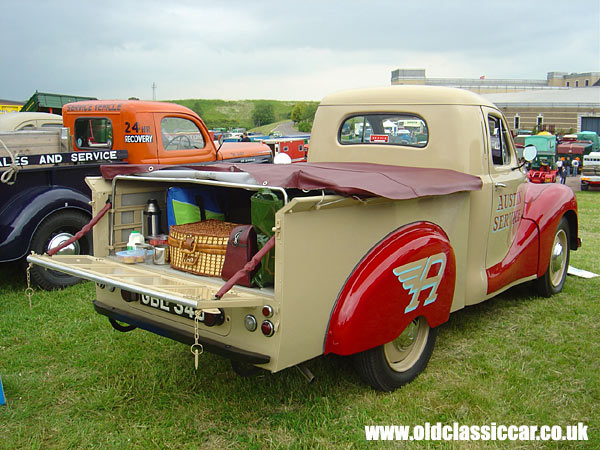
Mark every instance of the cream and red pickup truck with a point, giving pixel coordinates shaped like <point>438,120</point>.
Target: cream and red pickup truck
<point>412,205</point>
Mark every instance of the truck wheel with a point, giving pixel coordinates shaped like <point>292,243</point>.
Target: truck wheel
<point>396,363</point>
<point>553,280</point>
<point>52,232</point>
<point>584,187</point>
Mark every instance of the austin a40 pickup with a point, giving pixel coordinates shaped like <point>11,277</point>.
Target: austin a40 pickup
<point>412,205</point>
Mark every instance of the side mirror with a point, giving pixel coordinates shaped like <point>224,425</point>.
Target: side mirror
<point>529,153</point>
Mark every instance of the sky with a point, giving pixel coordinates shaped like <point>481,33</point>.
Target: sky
<point>276,49</point>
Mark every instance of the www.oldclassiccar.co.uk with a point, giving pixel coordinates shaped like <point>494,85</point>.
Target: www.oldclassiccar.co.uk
<point>491,432</point>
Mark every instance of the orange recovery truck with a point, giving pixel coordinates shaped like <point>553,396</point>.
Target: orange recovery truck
<point>152,133</point>
<point>44,199</point>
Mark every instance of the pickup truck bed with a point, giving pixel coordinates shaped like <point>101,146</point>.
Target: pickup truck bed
<point>315,259</point>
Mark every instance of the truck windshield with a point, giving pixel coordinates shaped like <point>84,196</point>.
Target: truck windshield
<point>384,129</point>
<point>180,134</point>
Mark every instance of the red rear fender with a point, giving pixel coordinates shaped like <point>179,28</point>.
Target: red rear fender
<point>410,273</point>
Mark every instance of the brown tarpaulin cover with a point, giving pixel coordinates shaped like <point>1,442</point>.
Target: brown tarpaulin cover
<point>366,179</point>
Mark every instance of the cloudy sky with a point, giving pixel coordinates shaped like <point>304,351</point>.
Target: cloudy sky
<point>278,49</point>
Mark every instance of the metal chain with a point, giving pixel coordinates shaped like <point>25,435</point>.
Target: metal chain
<point>197,349</point>
<point>29,290</point>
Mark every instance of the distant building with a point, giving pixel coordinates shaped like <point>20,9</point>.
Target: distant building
<point>483,85</point>
<point>563,102</point>
<point>575,80</point>
<point>9,106</point>
<point>557,111</point>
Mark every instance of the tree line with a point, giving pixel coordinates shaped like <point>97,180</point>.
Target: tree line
<point>252,113</point>
<point>302,114</point>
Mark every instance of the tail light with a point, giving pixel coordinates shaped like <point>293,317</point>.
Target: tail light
<point>267,311</point>
<point>267,328</point>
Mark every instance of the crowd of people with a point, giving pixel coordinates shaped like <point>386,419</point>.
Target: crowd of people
<point>567,167</point>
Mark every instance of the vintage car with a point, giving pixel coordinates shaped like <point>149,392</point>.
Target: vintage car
<point>376,240</point>
<point>16,121</point>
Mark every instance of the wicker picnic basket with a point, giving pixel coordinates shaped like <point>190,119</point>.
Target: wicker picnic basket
<point>199,247</point>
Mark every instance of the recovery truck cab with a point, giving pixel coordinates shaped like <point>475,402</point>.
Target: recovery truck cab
<point>152,133</point>
<point>43,196</point>
<point>378,240</point>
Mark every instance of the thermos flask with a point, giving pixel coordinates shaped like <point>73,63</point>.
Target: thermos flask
<point>152,218</point>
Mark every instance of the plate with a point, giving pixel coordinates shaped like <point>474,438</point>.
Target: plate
<point>215,317</point>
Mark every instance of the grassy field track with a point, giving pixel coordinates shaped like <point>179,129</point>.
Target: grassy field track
<point>71,381</point>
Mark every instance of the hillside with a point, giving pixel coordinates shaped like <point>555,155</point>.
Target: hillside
<point>235,113</point>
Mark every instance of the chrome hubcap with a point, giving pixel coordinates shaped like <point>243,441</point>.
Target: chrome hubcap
<point>406,339</point>
<point>558,258</point>
<point>71,249</point>
<point>404,351</point>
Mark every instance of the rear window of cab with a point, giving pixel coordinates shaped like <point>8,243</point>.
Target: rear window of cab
<point>384,129</point>
<point>93,133</point>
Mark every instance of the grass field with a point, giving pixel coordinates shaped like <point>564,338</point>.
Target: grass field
<point>71,381</point>
<point>234,113</point>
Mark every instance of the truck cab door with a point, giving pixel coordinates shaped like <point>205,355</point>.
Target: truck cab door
<point>508,188</point>
<point>137,134</point>
<point>182,141</point>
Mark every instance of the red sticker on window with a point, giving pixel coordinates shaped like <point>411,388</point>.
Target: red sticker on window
<point>380,138</point>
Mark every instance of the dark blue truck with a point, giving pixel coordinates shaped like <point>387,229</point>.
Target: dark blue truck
<point>42,207</point>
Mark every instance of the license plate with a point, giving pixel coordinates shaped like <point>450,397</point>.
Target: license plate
<point>173,308</point>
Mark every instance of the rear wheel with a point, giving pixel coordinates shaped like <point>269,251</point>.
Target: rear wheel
<point>553,280</point>
<point>398,362</point>
<point>52,232</point>
<point>584,187</point>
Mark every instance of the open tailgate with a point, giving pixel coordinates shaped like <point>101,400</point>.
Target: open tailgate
<point>168,284</point>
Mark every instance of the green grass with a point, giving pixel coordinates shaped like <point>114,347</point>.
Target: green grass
<point>266,129</point>
<point>71,381</point>
<point>234,113</point>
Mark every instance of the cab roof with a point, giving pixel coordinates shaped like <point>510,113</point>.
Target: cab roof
<point>118,106</point>
<point>393,95</point>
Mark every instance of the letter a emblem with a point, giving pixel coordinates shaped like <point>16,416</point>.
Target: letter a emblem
<point>415,278</point>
